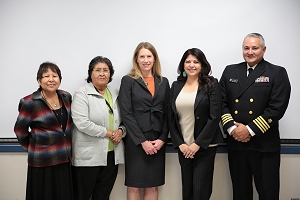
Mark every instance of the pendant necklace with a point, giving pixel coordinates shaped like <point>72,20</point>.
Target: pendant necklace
<point>59,115</point>
<point>44,96</point>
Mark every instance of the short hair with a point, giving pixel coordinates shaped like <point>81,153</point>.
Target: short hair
<point>44,67</point>
<point>204,77</point>
<point>256,35</point>
<point>135,72</point>
<point>94,62</point>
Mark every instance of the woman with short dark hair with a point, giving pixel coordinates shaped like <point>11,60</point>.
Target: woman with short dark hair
<point>43,129</point>
<point>97,139</point>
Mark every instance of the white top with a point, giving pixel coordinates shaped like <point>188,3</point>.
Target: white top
<point>185,108</point>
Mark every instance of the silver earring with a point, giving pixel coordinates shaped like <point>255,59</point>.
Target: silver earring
<point>184,74</point>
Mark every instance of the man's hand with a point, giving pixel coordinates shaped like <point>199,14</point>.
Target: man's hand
<point>241,133</point>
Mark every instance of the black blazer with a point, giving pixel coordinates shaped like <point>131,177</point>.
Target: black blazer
<point>207,111</point>
<point>140,112</point>
<point>258,101</point>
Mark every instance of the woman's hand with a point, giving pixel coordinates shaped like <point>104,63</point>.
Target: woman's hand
<point>189,151</point>
<point>149,148</point>
<point>109,133</point>
<point>117,136</point>
<point>157,144</point>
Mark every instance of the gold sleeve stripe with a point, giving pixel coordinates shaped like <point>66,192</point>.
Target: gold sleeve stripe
<point>264,122</point>
<point>257,123</point>
<point>226,118</point>
<point>261,123</point>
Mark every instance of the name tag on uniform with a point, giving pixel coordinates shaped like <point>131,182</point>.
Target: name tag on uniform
<point>232,80</point>
<point>262,79</point>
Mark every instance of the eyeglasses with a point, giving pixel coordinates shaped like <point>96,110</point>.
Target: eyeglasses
<point>98,71</point>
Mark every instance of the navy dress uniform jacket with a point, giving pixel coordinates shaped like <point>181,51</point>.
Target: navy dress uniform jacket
<point>259,101</point>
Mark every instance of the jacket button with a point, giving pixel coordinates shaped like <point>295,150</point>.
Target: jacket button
<point>197,117</point>
<point>236,112</point>
<point>250,112</point>
<point>251,100</point>
<point>236,101</point>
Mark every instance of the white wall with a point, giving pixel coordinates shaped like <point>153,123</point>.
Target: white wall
<point>13,170</point>
<point>72,32</point>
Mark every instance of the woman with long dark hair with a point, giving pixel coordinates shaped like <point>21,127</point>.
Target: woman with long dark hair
<point>194,115</point>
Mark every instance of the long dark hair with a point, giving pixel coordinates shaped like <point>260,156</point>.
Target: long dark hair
<point>204,77</point>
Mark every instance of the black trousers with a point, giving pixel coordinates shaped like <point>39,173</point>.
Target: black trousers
<point>197,174</point>
<point>262,166</point>
<point>96,182</point>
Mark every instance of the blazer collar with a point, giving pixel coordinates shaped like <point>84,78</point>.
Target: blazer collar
<point>37,94</point>
<point>90,90</point>
<point>199,96</point>
<point>156,82</point>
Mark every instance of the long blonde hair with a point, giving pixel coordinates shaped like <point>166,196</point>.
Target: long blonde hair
<point>135,72</point>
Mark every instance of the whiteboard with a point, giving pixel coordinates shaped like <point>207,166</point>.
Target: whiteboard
<point>71,33</point>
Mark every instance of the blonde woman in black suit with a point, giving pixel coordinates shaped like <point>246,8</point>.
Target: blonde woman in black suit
<point>144,101</point>
<point>194,116</point>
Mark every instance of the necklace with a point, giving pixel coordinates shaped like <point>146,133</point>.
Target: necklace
<point>48,102</point>
<point>58,115</point>
<point>147,79</point>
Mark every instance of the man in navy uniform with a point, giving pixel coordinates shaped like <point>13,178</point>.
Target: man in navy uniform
<point>255,96</point>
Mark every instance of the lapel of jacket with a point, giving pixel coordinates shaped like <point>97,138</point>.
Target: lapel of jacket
<point>241,73</point>
<point>259,69</point>
<point>37,95</point>
<point>199,96</point>
<point>63,97</point>
<point>65,101</point>
<point>156,82</point>
<point>114,94</point>
<point>157,86</point>
<point>91,90</point>
<point>142,83</point>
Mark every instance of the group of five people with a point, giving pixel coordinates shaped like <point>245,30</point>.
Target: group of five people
<point>106,127</point>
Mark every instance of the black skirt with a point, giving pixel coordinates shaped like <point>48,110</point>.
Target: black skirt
<point>142,170</point>
<point>49,183</point>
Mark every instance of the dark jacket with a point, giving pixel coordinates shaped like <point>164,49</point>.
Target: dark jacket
<point>39,132</point>
<point>258,101</point>
<point>140,112</point>
<point>207,111</point>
